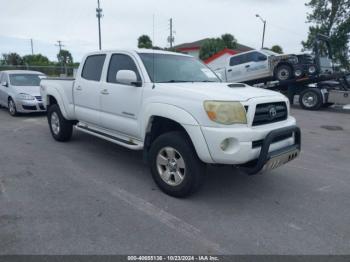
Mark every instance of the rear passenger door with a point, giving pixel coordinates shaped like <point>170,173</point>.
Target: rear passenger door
<point>87,90</point>
<point>121,103</point>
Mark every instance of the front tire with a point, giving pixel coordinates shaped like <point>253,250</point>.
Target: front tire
<point>61,128</point>
<point>12,107</point>
<point>175,166</point>
<point>311,99</point>
<point>283,73</point>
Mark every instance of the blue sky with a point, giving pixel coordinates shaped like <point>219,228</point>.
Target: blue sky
<point>74,22</point>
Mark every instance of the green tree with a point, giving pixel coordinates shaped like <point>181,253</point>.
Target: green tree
<point>277,49</point>
<point>145,41</point>
<point>65,57</point>
<point>215,45</point>
<point>331,18</point>
<point>230,41</point>
<point>38,59</point>
<point>12,59</point>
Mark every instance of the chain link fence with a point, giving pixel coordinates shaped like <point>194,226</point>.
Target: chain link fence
<point>53,71</point>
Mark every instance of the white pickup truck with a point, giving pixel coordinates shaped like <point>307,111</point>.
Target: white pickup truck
<point>261,66</point>
<point>177,111</point>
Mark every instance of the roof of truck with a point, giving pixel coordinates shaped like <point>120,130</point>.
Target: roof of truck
<point>148,51</point>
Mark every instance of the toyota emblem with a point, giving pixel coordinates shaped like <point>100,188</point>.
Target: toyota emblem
<point>272,112</point>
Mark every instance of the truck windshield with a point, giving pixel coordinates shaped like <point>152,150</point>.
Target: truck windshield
<point>167,68</point>
<point>25,79</point>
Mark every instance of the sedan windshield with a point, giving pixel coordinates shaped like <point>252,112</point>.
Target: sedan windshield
<point>25,79</point>
<point>166,68</point>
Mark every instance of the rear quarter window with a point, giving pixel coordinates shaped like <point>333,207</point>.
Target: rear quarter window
<point>93,67</point>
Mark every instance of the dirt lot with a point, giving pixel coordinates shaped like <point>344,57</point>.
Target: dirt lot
<point>93,197</point>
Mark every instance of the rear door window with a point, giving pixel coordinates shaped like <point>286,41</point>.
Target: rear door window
<point>93,67</point>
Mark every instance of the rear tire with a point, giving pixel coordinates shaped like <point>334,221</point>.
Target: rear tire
<point>175,166</point>
<point>283,73</point>
<point>311,99</point>
<point>61,128</point>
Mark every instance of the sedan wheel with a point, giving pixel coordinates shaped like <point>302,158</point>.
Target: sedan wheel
<point>12,108</point>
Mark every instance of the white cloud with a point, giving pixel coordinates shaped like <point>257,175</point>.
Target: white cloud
<point>74,22</point>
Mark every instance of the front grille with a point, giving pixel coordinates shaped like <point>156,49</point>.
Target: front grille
<point>32,108</point>
<point>259,143</point>
<point>38,98</point>
<point>264,116</point>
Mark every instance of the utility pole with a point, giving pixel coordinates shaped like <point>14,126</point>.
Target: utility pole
<point>99,15</point>
<point>60,45</point>
<point>171,38</point>
<point>263,38</point>
<point>31,44</point>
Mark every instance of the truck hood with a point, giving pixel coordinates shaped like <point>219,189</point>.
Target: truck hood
<point>30,90</point>
<point>217,91</point>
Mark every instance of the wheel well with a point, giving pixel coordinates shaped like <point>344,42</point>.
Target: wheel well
<point>51,100</point>
<point>158,126</point>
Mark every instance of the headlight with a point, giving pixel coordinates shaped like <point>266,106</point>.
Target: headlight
<point>312,69</point>
<point>226,113</point>
<point>298,73</point>
<point>25,97</point>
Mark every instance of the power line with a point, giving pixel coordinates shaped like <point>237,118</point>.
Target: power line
<point>99,15</point>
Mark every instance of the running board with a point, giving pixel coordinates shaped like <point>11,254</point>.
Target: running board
<point>131,143</point>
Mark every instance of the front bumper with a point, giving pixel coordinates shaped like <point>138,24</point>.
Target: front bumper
<point>245,142</point>
<point>271,160</point>
<point>30,106</point>
<point>304,68</point>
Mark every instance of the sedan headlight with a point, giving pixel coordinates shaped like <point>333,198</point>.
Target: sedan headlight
<point>25,97</point>
<point>226,113</point>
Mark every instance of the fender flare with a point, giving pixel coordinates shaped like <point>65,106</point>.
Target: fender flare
<point>185,119</point>
<point>56,94</point>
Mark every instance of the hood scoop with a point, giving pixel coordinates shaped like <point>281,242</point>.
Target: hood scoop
<point>236,85</point>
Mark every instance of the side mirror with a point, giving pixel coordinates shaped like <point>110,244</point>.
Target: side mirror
<point>127,77</point>
<point>5,84</point>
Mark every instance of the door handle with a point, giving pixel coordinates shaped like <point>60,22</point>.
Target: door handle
<point>230,70</point>
<point>104,92</point>
<point>247,66</point>
<point>79,88</point>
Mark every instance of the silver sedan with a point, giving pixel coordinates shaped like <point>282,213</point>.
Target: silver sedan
<point>20,91</point>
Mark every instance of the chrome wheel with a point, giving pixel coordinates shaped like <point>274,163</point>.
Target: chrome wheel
<point>283,74</point>
<point>171,166</point>
<point>55,123</point>
<point>12,107</point>
<point>310,99</point>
